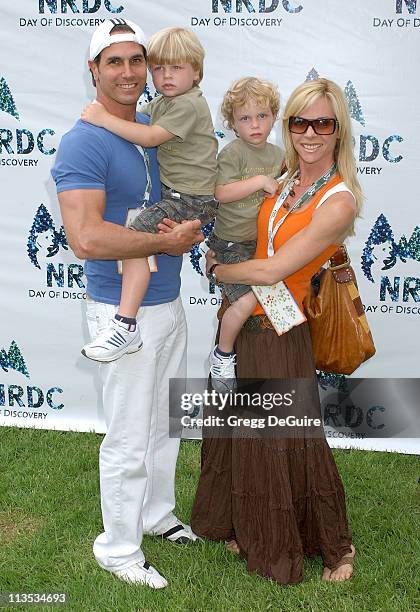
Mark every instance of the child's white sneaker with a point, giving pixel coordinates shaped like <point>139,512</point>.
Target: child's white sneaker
<point>114,342</point>
<point>222,371</point>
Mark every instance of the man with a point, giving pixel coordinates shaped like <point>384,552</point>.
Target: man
<point>99,176</point>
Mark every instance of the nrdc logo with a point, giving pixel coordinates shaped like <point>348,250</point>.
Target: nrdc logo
<point>43,244</point>
<point>262,6</point>
<point>20,141</point>
<point>410,5</point>
<point>369,147</point>
<point>14,397</point>
<point>407,8</point>
<point>198,262</point>
<point>385,261</point>
<point>198,259</point>
<point>71,6</point>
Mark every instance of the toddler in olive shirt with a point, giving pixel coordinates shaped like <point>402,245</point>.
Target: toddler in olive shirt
<point>246,170</point>
<point>182,129</point>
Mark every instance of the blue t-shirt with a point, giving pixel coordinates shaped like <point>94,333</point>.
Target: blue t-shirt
<point>93,158</point>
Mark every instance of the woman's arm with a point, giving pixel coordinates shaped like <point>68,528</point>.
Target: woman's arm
<point>143,135</point>
<point>330,225</point>
<point>232,192</point>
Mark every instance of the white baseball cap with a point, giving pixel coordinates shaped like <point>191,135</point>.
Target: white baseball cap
<point>101,38</point>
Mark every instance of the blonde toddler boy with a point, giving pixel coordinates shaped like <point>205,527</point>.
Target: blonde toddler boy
<point>246,170</point>
<point>182,129</point>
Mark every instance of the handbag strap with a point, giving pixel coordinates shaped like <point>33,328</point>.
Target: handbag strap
<point>340,266</point>
<point>343,273</point>
<point>340,260</point>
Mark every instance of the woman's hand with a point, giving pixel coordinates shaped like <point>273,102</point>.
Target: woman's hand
<point>95,113</point>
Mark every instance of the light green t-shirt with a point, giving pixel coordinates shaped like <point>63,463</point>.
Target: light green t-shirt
<point>237,221</point>
<point>187,162</point>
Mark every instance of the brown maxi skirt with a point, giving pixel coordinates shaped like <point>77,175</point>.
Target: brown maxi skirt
<point>279,498</point>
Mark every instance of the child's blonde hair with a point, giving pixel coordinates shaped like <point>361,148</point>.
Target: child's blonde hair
<point>176,46</point>
<point>246,89</point>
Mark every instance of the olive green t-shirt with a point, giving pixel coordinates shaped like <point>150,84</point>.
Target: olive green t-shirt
<point>238,161</point>
<point>187,162</point>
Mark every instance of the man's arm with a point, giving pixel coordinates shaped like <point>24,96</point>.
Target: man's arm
<point>91,237</point>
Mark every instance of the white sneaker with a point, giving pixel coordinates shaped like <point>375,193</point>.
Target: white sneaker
<point>222,371</point>
<point>142,573</point>
<point>114,342</point>
<point>179,533</point>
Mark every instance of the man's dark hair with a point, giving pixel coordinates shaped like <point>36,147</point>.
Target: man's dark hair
<point>117,29</point>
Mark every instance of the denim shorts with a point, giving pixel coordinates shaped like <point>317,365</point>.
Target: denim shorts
<point>178,207</point>
<point>232,252</point>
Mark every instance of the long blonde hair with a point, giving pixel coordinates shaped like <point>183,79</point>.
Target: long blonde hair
<point>303,96</point>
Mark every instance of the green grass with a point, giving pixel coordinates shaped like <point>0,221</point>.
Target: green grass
<point>49,516</point>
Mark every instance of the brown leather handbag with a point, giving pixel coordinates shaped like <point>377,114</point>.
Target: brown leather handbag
<point>340,333</point>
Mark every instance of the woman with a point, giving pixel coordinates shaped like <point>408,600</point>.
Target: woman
<point>276,499</point>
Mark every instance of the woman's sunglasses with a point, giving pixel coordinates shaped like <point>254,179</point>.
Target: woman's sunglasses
<point>324,126</point>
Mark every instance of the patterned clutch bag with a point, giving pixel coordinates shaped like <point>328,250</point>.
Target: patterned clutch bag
<point>279,306</point>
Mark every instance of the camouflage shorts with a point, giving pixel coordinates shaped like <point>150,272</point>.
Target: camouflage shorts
<point>232,252</point>
<point>178,207</point>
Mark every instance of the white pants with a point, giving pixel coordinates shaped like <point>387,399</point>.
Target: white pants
<point>137,458</point>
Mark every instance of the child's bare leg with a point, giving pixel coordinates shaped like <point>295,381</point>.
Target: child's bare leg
<point>135,280</point>
<point>222,357</point>
<point>233,320</point>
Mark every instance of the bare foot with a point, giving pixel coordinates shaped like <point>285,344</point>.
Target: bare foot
<point>342,571</point>
<point>232,545</point>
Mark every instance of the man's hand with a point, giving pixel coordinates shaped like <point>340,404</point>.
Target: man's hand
<point>180,237</point>
<point>95,113</point>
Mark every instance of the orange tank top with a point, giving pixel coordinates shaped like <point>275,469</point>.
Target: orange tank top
<point>297,283</point>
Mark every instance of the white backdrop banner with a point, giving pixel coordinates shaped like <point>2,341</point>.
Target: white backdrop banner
<point>368,48</point>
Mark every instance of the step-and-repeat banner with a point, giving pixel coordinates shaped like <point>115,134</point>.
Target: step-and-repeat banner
<point>368,48</point>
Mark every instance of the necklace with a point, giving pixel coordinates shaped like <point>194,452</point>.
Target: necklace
<point>272,230</point>
<point>316,185</point>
